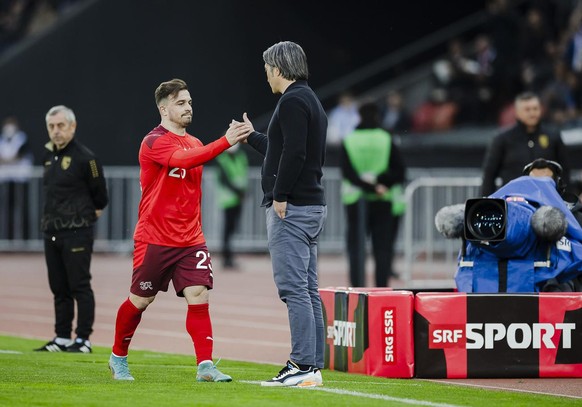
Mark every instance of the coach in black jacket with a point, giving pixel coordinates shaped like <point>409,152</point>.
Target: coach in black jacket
<point>294,150</point>
<point>75,194</point>
<point>512,149</point>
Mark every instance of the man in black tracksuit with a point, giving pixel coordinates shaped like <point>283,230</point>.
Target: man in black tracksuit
<point>75,194</point>
<point>512,149</point>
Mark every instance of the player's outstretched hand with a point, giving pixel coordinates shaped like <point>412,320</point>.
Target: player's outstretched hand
<point>245,125</point>
<point>236,132</point>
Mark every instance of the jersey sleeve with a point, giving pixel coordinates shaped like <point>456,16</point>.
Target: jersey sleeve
<point>158,150</point>
<point>194,157</point>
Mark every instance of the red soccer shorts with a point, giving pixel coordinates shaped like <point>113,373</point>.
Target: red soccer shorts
<point>154,266</point>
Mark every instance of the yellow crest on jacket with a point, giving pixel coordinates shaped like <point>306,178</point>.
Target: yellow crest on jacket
<point>66,162</point>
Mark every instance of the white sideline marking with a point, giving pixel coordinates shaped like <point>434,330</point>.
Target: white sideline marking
<point>15,352</point>
<point>368,395</point>
<point>542,393</point>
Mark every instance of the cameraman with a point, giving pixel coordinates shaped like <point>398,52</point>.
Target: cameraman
<point>547,168</point>
<point>541,167</point>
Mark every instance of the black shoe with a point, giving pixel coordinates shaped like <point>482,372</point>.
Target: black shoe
<point>80,346</point>
<point>52,346</point>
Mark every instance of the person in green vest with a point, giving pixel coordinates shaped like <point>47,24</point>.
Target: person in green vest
<point>373,173</point>
<point>233,169</point>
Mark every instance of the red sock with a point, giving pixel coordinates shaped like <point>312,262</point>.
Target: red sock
<point>128,317</point>
<point>199,327</point>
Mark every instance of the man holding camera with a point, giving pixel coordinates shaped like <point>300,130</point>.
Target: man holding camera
<point>541,167</point>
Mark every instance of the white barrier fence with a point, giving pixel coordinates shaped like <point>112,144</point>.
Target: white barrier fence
<point>424,252</point>
<point>429,258</point>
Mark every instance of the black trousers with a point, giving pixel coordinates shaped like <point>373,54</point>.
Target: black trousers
<point>375,219</point>
<point>68,260</point>
<point>231,221</point>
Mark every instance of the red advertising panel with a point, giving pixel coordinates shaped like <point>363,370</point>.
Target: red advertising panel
<point>439,335</point>
<point>560,325</point>
<point>369,331</point>
<point>391,344</point>
<point>328,296</point>
<point>498,335</point>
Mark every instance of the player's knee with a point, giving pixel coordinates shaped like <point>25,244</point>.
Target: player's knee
<point>141,302</point>
<point>196,294</point>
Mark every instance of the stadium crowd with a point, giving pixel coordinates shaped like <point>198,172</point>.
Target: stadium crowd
<point>533,45</point>
<point>20,19</point>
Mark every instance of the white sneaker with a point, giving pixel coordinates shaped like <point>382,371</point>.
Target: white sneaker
<point>318,378</point>
<point>291,375</point>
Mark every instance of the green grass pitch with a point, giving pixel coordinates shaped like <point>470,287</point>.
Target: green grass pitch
<point>30,378</point>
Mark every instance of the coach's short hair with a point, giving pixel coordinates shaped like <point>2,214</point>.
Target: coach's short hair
<point>523,96</point>
<point>289,58</point>
<point>169,88</point>
<point>69,114</point>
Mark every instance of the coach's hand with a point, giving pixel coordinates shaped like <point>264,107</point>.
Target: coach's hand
<point>245,124</point>
<point>248,122</point>
<point>280,208</point>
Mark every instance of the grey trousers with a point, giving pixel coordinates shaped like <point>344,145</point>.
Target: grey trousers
<point>293,248</point>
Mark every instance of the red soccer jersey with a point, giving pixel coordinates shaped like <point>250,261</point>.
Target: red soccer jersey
<point>169,209</point>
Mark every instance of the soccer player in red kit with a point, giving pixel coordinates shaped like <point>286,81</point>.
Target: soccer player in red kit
<point>168,239</point>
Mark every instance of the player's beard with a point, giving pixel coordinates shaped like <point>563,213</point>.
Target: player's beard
<point>186,120</point>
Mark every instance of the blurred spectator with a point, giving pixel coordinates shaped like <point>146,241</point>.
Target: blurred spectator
<point>575,85</point>
<point>485,77</point>
<point>556,13</point>
<point>470,79</point>
<point>535,75</point>
<point>515,52</point>
<point>455,74</point>
<point>15,169</point>
<point>395,117</point>
<point>529,77</point>
<point>557,97</point>
<point>485,55</point>
<point>43,15</point>
<point>436,114</point>
<point>572,41</point>
<point>14,18</point>
<point>22,18</point>
<point>342,119</point>
<point>502,27</point>
<point>534,34</point>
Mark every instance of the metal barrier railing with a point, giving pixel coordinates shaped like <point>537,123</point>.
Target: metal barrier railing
<point>428,256</point>
<point>423,250</point>
<point>21,208</point>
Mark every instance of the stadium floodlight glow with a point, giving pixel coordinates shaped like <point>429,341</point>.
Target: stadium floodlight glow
<point>485,219</point>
